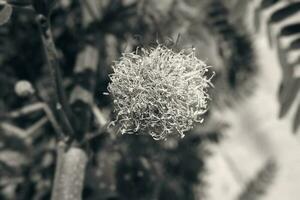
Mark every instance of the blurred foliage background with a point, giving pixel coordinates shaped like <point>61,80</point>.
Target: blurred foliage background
<point>126,167</point>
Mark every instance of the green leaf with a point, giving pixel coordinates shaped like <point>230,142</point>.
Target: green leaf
<point>5,13</point>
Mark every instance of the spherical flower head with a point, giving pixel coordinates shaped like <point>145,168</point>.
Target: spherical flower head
<point>159,92</point>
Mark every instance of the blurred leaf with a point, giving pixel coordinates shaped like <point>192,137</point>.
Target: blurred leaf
<point>290,84</point>
<point>259,185</point>
<point>81,94</point>
<point>12,158</point>
<point>296,122</point>
<point>289,93</point>
<point>5,13</point>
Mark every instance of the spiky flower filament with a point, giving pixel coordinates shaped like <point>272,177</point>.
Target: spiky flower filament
<point>159,91</point>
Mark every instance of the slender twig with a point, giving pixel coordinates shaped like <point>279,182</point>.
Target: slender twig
<point>28,134</point>
<point>53,121</point>
<point>26,110</point>
<point>35,108</point>
<point>62,106</point>
<point>12,130</point>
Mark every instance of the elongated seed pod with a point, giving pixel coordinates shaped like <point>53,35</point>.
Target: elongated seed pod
<point>72,175</point>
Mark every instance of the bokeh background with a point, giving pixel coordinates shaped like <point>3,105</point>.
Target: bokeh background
<point>248,147</point>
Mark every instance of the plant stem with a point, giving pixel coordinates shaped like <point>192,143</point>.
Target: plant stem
<point>62,106</point>
<point>70,165</point>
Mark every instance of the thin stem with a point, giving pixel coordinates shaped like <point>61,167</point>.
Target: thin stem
<point>62,106</point>
<point>35,108</point>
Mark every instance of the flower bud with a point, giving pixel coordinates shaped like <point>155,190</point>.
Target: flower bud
<point>24,88</point>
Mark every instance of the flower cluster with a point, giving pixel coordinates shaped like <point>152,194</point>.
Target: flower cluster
<point>159,92</point>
